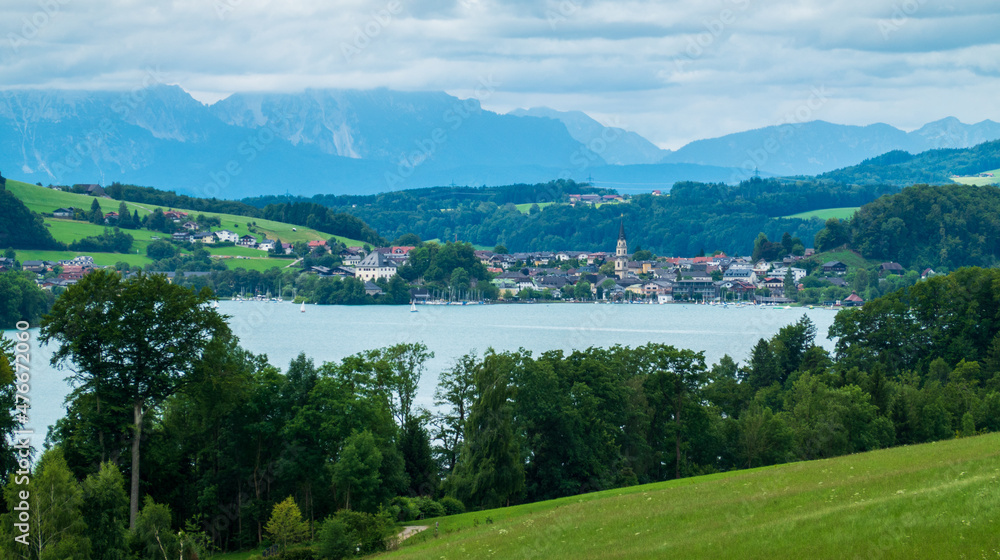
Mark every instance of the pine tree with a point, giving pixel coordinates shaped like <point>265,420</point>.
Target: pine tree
<point>286,525</point>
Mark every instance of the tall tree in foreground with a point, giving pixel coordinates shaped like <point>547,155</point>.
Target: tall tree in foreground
<point>132,340</point>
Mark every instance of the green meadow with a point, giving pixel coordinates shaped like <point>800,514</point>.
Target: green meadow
<point>980,181</point>
<point>44,200</point>
<point>937,500</point>
<point>846,256</point>
<point>826,213</point>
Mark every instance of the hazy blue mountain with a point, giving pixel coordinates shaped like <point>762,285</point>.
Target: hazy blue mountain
<point>817,147</point>
<point>615,145</point>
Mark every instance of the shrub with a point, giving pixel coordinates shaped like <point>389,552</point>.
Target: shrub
<point>297,554</point>
<point>429,508</point>
<point>334,540</point>
<point>370,533</point>
<point>404,509</point>
<point>452,506</point>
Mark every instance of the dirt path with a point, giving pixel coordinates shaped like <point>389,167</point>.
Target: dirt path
<point>409,531</point>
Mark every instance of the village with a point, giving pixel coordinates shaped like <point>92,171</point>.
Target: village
<point>567,276</point>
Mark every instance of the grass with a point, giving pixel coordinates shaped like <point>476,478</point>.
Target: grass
<point>846,256</point>
<point>979,181</point>
<point>826,213</point>
<point>44,200</point>
<point>523,208</point>
<point>935,500</point>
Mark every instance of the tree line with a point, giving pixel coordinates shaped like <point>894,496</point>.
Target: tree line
<point>214,439</point>
<point>942,227</point>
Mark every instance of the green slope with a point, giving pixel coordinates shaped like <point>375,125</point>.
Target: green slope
<point>826,213</point>
<point>937,500</point>
<point>42,200</point>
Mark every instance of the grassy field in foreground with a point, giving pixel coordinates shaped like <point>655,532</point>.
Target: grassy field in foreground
<point>938,500</point>
<point>826,213</point>
<point>980,181</point>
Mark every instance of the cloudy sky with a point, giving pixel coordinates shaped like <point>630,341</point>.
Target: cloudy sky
<point>672,71</point>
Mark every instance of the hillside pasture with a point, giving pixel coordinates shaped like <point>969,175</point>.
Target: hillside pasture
<point>936,500</point>
<point>825,214</point>
<point>979,181</point>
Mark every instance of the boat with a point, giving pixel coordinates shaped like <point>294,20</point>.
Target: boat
<point>413,307</point>
<point>215,305</point>
<point>303,308</point>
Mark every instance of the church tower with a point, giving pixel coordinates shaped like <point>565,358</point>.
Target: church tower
<point>621,252</point>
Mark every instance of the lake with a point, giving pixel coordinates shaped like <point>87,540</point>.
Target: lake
<point>329,333</point>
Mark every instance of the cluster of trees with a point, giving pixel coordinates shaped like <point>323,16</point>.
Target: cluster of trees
<point>693,218</point>
<point>21,299</point>
<point>111,241</point>
<point>452,266</point>
<point>933,166</point>
<point>21,228</point>
<point>763,248</point>
<point>449,197</point>
<point>321,218</point>
<point>924,226</point>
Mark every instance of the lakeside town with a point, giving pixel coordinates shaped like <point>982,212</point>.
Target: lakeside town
<point>567,276</point>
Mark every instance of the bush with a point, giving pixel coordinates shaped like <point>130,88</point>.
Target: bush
<point>160,249</point>
<point>372,533</point>
<point>404,509</point>
<point>429,508</point>
<point>297,554</point>
<point>334,540</point>
<point>452,506</point>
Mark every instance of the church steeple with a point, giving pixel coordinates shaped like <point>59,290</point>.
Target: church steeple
<point>621,252</point>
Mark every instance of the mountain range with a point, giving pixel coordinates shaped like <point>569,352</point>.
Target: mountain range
<point>368,141</point>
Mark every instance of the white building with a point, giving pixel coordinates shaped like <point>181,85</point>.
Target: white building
<point>375,266</point>
<point>226,235</point>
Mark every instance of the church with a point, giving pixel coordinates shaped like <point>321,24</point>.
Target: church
<point>621,252</point>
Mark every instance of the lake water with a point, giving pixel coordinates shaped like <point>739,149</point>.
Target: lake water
<point>330,333</point>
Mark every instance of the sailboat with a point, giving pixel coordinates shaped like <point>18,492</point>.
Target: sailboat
<point>215,305</point>
<point>413,307</point>
<point>303,308</point>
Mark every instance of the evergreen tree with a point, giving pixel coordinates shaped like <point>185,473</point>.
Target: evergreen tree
<point>124,217</point>
<point>415,446</point>
<point>286,525</point>
<point>96,215</point>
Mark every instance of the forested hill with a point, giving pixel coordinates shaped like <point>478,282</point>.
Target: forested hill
<point>695,217</point>
<point>945,226</point>
<point>20,228</point>
<point>934,166</point>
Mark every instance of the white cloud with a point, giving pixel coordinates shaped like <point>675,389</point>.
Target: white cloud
<point>672,71</point>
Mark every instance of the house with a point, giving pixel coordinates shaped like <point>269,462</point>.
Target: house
<point>927,273</point>
<point>838,282</point>
<point>853,300</point>
<point>247,241</point>
<point>314,244</point>
<point>181,236</point>
<point>887,268</point>
<point>6,264</point>
<point>175,215</point>
<point>204,237</point>
<point>694,289</point>
<point>372,289</point>
<point>775,284</point>
<point>266,245</point>
<point>190,226</point>
<point>227,236</point>
<point>834,267</point>
<point>419,295</point>
<point>351,259</point>
<point>375,266</point>
<point>797,273</point>
<point>85,261</point>
<point>742,273</point>
<point>73,272</point>
<point>64,212</point>
<point>34,266</point>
